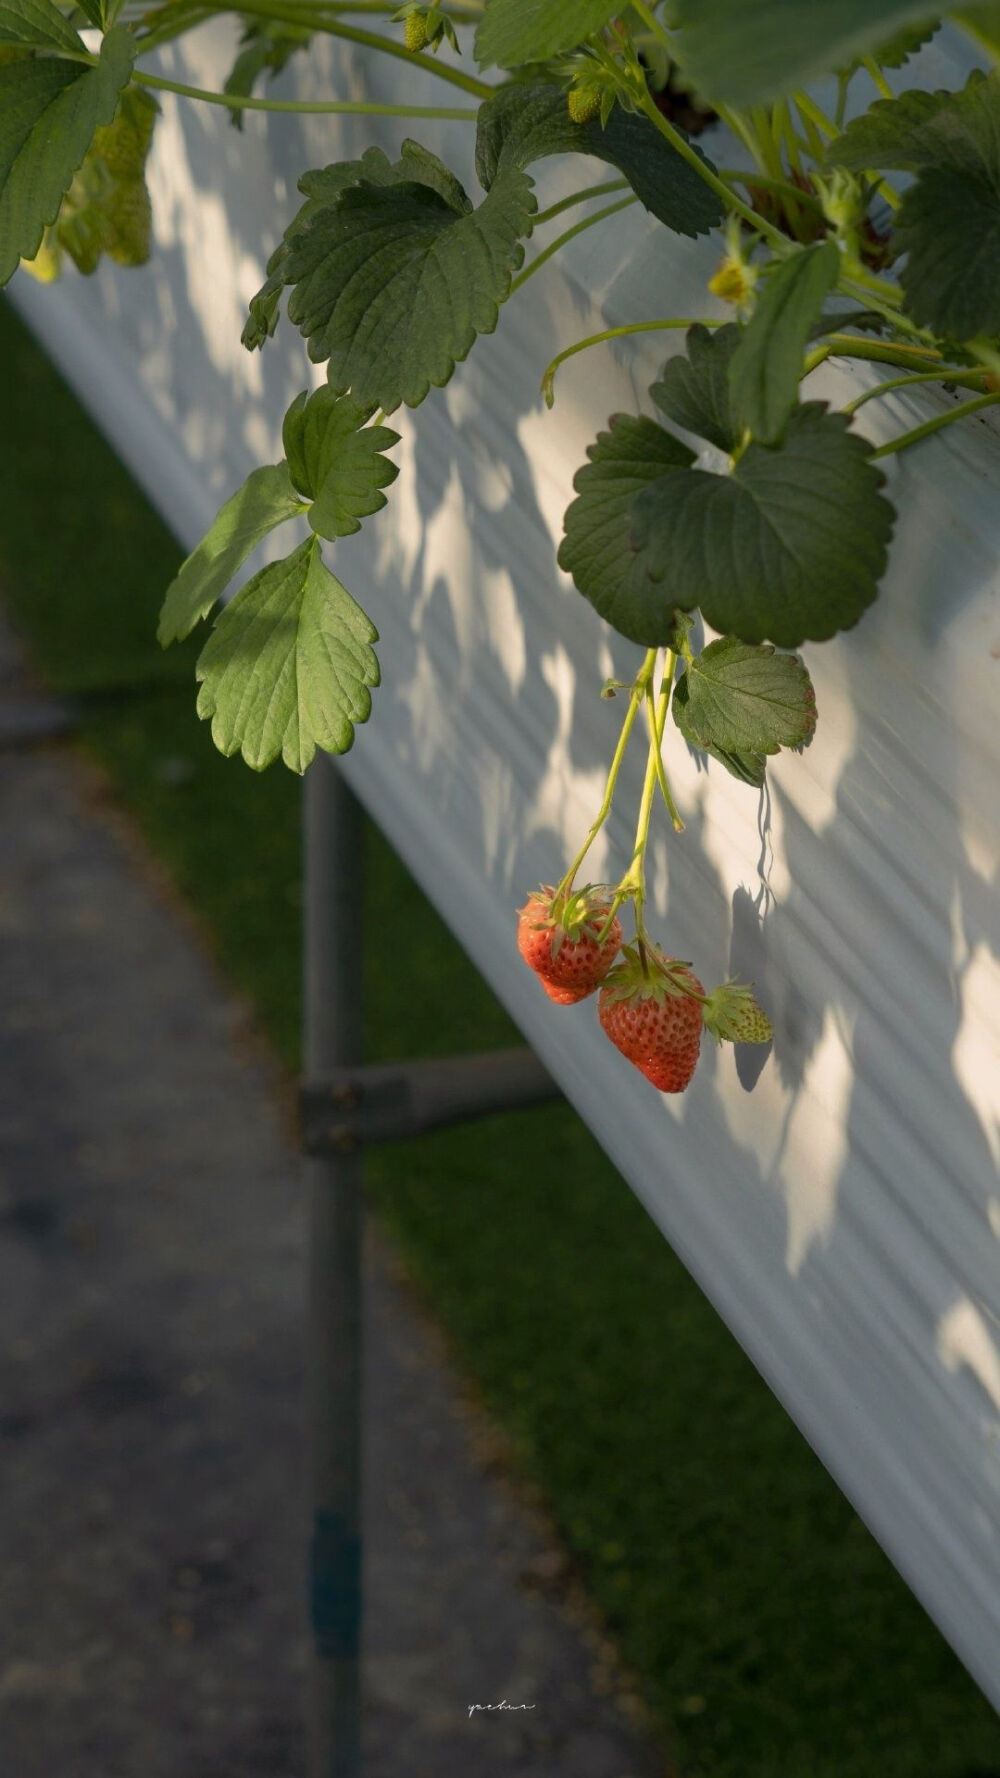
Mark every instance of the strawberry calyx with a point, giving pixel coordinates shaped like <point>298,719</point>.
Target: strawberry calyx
<point>645,972</point>
<point>572,914</point>
<point>733,1015</point>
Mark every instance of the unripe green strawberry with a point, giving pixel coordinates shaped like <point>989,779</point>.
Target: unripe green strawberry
<point>651,1010</point>
<point>416,32</point>
<point>732,1015</point>
<point>559,937</point>
<point>583,105</point>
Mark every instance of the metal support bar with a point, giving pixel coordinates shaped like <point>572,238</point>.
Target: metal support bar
<point>346,1106</point>
<point>356,1107</point>
<point>332,1041</point>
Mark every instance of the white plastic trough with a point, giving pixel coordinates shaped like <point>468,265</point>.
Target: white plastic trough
<point>840,1208</point>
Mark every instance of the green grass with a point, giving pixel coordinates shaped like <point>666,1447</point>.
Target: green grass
<point>770,1636</point>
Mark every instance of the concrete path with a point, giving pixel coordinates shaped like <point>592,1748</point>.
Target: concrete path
<point>152,1518</point>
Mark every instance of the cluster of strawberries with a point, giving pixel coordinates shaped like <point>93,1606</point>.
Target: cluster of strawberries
<point>651,1006</point>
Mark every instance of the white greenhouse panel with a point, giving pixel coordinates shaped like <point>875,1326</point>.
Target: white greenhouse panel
<point>841,1207</point>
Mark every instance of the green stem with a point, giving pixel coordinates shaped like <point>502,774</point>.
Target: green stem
<point>872,69</point>
<point>653,24</point>
<point>962,379</point>
<point>961,412</point>
<point>633,882</point>
<point>740,128</point>
<point>234,102</point>
<point>615,333</point>
<point>578,197</point>
<point>302,15</point>
<point>635,698</point>
<point>656,722</point>
<point>849,345</point>
<point>567,235</point>
<point>810,112</point>
<point>783,186</point>
<point>705,172</point>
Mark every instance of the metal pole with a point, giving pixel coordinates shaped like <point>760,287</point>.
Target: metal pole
<point>332,1038</point>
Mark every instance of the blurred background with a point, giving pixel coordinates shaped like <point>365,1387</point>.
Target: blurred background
<point>715,1607</point>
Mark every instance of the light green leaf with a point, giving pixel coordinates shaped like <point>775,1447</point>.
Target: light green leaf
<point>766,367</point>
<point>948,224</point>
<point>694,390</point>
<point>743,54</point>
<point>49,112</point>
<point>742,703</point>
<point>37,22</point>
<point>790,546</point>
<point>529,123</point>
<point>337,460</point>
<point>395,274</point>
<point>106,209</point>
<point>288,665</point>
<point>596,551</point>
<point>265,500</point>
<point>513,32</point>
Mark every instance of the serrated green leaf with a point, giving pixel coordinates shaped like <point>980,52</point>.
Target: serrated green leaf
<point>948,223</point>
<point>37,22</point>
<point>530,123</point>
<point>694,390</point>
<point>742,703</point>
<point>394,280</point>
<point>893,51</point>
<point>766,367</point>
<point>745,54</point>
<point>513,32</point>
<point>595,550</point>
<point>288,665</point>
<point>787,548</point>
<point>265,500</point>
<point>337,460</point>
<point>901,133</point>
<point>49,113</point>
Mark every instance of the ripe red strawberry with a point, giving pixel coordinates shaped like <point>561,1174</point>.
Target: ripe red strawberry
<point>653,1018</point>
<point>558,938</point>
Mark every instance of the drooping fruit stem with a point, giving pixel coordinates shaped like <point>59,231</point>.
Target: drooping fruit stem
<point>636,696</point>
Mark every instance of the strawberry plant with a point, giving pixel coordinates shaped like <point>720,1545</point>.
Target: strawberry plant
<point>736,495</point>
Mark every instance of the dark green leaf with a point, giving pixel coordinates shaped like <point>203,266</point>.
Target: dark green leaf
<point>694,391</point>
<point>337,460</point>
<point>949,227</point>
<point>529,123</point>
<point>744,53</point>
<point>266,498</point>
<point>288,665</point>
<point>741,703</point>
<point>766,368</point>
<point>396,275</point>
<point>49,112</point>
<point>948,224</point>
<point>596,551</point>
<point>790,546</point>
<point>893,51</point>
<point>37,22</point>
<point>897,132</point>
<point>512,32</point>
